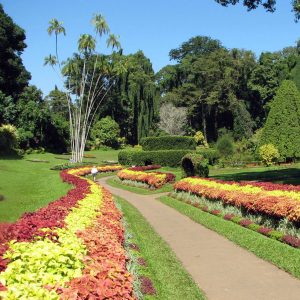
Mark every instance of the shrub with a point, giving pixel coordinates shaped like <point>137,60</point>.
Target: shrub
<point>200,139</point>
<point>106,132</point>
<point>194,164</point>
<point>172,142</point>
<point>212,155</point>
<point>225,145</point>
<point>276,235</point>
<point>170,158</point>
<point>8,138</point>
<point>268,154</point>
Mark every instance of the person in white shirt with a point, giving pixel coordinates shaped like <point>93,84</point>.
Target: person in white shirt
<point>94,172</point>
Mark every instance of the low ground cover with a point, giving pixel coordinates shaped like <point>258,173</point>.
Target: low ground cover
<point>71,248</point>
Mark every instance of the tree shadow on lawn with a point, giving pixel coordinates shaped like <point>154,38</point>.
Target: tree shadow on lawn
<point>285,176</point>
<point>11,156</point>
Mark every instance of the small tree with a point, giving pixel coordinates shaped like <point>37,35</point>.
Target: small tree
<point>172,119</point>
<point>225,145</point>
<point>282,127</point>
<point>200,139</point>
<point>107,132</point>
<point>268,154</point>
<point>8,138</point>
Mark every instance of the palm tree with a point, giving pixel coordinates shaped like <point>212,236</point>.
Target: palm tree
<point>86,43</point>
<point>57,28</point>
<point>113,41</point>
<point>100,24</point>
<point>50,60</point>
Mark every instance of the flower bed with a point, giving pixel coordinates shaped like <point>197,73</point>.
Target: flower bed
<point>269,232</point>
<point>101,169</point>
<point>145,168</point>
<point>152,179</point>
<point>256,198</point>
<point>71,249</point>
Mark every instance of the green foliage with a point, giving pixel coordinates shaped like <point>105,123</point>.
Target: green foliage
<point>212,155</point>
<point>269,6</point>
<point>200,139</point>
<point>282,127</point>
<point>13,75</point>
<point>269,154</point>
<point>170,158</point>
<point>106,132</point>
<point>172,142</point>
<point>276,235</point>
<point>8,138</point>
<point>194,164</point>
<point>295,74</point>
<point>242,123</point>
<point>225,145</point>
<point>43,262</point>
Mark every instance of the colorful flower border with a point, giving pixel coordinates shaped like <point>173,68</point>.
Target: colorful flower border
<point>257,198</point>
<point>71,249</point>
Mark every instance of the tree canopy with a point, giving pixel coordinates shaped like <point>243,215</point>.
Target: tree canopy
<point>269,5</point>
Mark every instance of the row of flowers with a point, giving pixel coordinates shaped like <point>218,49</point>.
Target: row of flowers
<point>153,179</point>
<point>145,168</point>
<point>71,249</point>
<point>267,186</point>
<point>269,232</point>
<point>254,198</point>
<point>101,169</point>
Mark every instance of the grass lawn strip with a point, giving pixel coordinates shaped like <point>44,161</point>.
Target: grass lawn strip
<point>115,182</point>
<point>170,279</point>
<point>281,255</point>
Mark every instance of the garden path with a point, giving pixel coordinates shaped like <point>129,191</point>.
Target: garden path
<point>221,269</point>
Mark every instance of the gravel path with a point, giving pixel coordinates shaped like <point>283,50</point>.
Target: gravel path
<point>219,267</point>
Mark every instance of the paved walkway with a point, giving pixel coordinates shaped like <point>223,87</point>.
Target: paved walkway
<point>219,267</point>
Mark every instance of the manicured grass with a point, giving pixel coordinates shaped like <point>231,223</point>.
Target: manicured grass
<point>139,190</point>
<point>28,185</point>
<point>281,255</point>
<point>166,272</point>
<point>276,174</point>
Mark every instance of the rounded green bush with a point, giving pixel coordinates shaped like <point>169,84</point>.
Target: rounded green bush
<point>194,164</point>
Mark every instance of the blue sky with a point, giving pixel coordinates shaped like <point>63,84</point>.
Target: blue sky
<point>154,26</point>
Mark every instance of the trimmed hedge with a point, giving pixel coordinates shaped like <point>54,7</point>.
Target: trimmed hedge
<point>172,142</point>
<point>170,158</point>
<point>194,164</point>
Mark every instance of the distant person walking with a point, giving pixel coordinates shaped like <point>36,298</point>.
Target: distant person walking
<point>94,172</point>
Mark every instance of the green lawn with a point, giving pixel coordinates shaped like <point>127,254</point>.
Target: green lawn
<point>278,174</point>
<point>170,279</point>
<point>28,185</point>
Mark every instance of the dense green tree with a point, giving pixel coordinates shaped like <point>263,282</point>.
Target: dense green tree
<point>269,5</point>
<point>242,122</point>
<point>282,127</point>
<point>57,103</point>
<point>132,101</point>
<point>13,75</point>
<point>271,70</point>
<point>106,132</point>
<point>209,80</point>
<point>32,116</point>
